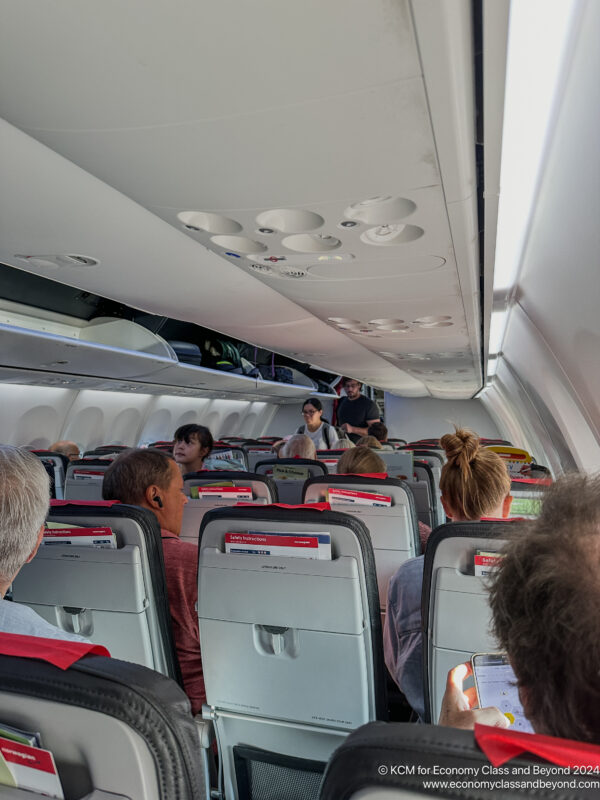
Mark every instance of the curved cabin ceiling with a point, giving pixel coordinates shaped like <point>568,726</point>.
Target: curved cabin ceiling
<point>299,176</point>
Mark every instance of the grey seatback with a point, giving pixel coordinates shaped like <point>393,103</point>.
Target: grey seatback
<point>290,490</point>
<point>264,492</point>
<point>403,761</point>
<point>115,729</point>
<point>232,455</point>
<point>455,612</point>
<point>527,496</point>
<point>330,459</point>
<point>84,479</point>
<point>435,459</point>
<point>398,463</point>
<point>424,473</point>
<point>59,464</point>
<point>291,648</point>
<point>115,597</point>
<point>393,530</point>
<point>257,451</point>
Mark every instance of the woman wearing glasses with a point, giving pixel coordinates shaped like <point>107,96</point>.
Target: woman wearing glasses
<point>323,434</point>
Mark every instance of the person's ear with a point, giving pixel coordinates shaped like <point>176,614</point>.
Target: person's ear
<point>506,504</point>
<point>37,544</point>
<point>153,497</point>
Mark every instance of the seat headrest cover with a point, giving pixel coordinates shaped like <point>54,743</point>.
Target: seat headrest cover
<point>100,503</point>
<point>380,476</point>
<point>534,481</point>
<point>501,745</point>
<point>60,653</point>
<point>309,506</point>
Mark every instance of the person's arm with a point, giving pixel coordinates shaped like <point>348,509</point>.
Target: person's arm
<point>458,706</point>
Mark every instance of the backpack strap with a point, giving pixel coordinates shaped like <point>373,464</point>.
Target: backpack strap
<point>326,428</point>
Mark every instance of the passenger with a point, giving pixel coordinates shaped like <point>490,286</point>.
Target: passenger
<point>323,435</point>
<point>545,598</point>
<point>278,446</point>
<point>355,412</point>
<point>380,432</point>
<point>299,446</point>
<point>150,478</point>
<point>192,444</point>
<point>67,448</point>
<point>359,461</point>
<point>474,483</point>
<point>24,500</point>
<point>369,441</point>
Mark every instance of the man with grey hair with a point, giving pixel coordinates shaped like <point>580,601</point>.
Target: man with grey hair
<point>24,497</point>
<point>298,446</point>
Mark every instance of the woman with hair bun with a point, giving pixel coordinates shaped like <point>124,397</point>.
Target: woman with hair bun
<point>474,483</point>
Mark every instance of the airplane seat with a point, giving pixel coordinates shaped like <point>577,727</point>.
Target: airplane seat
<point>289,475</point>
<point>396,761</point>
<point>115,597</point>
<point>398,463</point>
<point>226,458</point>
<point>59,464</point>
<point>257,451</point>
<point>435,460</point>
<point>393,530</point>
<point>115,729</point>
<point>292,649</point>
<point>527,496</point>
<point>427,508</point>
<point>455,612</point>
<point>330,458</point>
<point>84,479</point>
<point>264,492</point>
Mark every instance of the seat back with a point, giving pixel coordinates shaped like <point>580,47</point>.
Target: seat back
<point>398,463</point>
<point>527,496</point>
<point>394,531</point>
<point>84,479</point>
<point>289,474</point>
<point>428,513</point>
<point>291,647</point>
<point>115,597</point>
<point>226,458</point>
<point>455,611</point>
<point>436,461</point>
<point>258,451</point>
<point>115,729</point>
<point>402,761</point>
<point>263,490</point>
<point>59,464</point>
<point>330,459</point>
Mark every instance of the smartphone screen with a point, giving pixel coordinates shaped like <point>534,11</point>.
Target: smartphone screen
<point>497,686</point>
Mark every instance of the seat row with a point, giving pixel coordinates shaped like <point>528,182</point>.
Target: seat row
<point>292,651</point>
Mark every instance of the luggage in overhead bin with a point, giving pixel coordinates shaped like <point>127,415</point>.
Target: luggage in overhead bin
<point>187,352</point>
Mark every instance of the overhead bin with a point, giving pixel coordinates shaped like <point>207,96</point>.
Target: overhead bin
<point>111,353</point>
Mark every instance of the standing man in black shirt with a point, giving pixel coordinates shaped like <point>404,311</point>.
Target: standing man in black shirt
<point>355,412</point>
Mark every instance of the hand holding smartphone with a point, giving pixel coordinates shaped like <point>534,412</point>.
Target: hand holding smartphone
<point>496,685</point>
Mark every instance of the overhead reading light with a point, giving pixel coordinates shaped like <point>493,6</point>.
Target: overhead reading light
<point>534,70</point>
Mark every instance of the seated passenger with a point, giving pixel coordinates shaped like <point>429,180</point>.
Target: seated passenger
<point>68,449</point>
<point>380,432</point>
<point>298,446</point>
<point>369,441</point>
<point>192,444</point>
<point>545,598</point>
<point>323,435</point>
<point>24,500</point>
<point>150,478</point>
<point>359,461</point>
<point>474,483</point>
